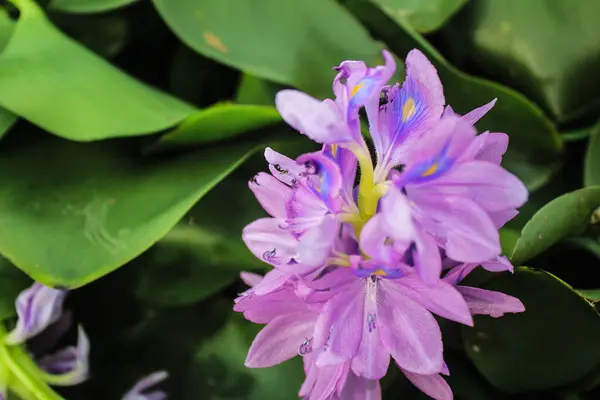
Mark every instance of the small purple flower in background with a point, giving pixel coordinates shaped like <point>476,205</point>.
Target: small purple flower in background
<point>140,391</point>
<point>37,308</point>
<point>40,316</point>
<point>359,270</point>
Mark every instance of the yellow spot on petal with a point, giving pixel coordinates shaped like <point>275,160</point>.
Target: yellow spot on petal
<point>213,41</point>
<point>334,148</point>
<point>431,170</point>
<point>356,88</point>
<point>380,272</point>
<point>409,109</point>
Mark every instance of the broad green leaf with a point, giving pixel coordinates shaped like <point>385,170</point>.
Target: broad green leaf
<point>61,86</point>
<point>73,212</point>
<point>591,176</point>
<point>7,27</point>
<point>508,239</point>
<point>104,34</point>
<point>292,42</point>
<point>200,80</point>
<point>88,6</point>
<point>219,122</point>
<point>504,40</point>
<point>423,15</point>
<point>553,343</point>
<point>535,147</point>
<point>254,90</point>
<point>575,135</point>
<point>12,282</point>
<point>562,217</point>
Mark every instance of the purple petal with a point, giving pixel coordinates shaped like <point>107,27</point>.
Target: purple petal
<point>347,162</point>
<point>489,146</point>
<point>428,261</point>
<point>374,240</point>
<point>322,382</point>
<point>137,391</point>
<point>372,360</point>
<point>432,385</point>
<point>409,332</point>
<point>469,232</point>
<point>316,244</point>
<point>397,218</point>
<point>442,299</point>
<point>411,110</point>
<point>489,185</point>
<point>345,311</point>
<point>271,193</point>
<point>498,264</point>
<point>280,340</point>
<point>357,388</point>
<point>324,176</point>
<point>69,366</point>
<point>250,278</point>
<point>321,121</point>
<point>500,218</point>
<point>269,242</point>
<point>262,309</point>
<point>37,308</point>
<point>473,116</point>
<point>491,303</point>
<point>283,168</point>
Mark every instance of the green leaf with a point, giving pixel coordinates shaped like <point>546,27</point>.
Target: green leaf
<point>219,122</point>
<point>7,27</point>
<point>591,173</point>
<point>104,34</point>
<point>562,217</point>
<point>590,294</point>
<point>535,146</point>
<point>503,41</point>
<point>254,90</point>
<point>423,15</point>
<point>88,6</point>
<point>12,282</point>
<point>221,359</point>
<point>553,343</point>
<point>294,42</point>
<point>96,100</point>
<point>77,211</point>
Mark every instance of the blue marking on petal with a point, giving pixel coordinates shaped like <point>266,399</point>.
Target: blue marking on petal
<point>428,170</point>
<point>360,93</point>
<point>405,109</point>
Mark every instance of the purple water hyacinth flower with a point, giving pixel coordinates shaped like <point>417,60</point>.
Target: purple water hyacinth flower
<point>359,270</point>
<point>68,366</point>
<point>37,307</point>
<point>140,390</point>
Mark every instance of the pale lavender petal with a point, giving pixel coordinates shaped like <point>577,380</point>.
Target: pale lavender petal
<point>262,309</point>
<point>272,281</point>
<point>347,315</point>
<point>250,278</point>
<point>432,385</point>
<point>470,234</point>
<point>428,261</point>
<point>449,112</point>
<point>38,307</point>
<point>280,340</point>
<point>374,239</point>
<point>322,382</point>
<point>69,366</point>
<point>412,110</point>
<point>321,121</point>
<point>397,221</point>
<point>325,177</point>
<point>500,218</point>
<point>498,264</point>
<point>489,185</point>
<point>409,332</point>
<point>442,299</point>
<point>491,303</point>
<point>140,390</point>
<point>316,244</point>
<point>271,193</point>
<point>473,116</point>
<point>282,167</point>
<point>269,242</point>
<point>372,359</point>
<point>357,388</point>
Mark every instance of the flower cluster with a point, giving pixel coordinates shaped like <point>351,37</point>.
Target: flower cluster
<point>364,253</point>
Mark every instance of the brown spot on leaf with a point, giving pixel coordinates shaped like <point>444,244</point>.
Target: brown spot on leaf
<point>213,41</point>
<point>540,236</point>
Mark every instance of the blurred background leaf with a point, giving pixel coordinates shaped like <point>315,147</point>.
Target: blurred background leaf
<point>423,16</point>
<point>295,43</point>
<point>533,350</point>
<point>547,49</point>
<point>88,6</point>
<point>96,100</point>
